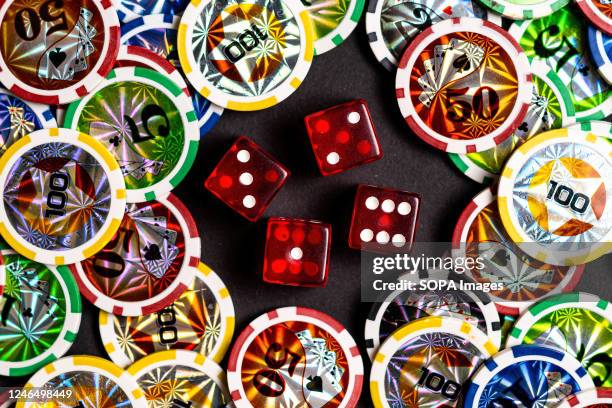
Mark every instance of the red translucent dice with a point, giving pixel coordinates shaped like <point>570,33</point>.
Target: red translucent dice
<point>247,179</point>
<point>384,220</point>
<point>297,252</point>
<point>343,137</point>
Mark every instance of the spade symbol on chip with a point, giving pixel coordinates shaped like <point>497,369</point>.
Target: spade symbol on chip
<point>462,63</point>
<point>152,253</point>
<point>501,257</point>
<point>315,384</point>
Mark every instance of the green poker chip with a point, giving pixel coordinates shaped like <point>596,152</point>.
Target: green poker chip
<point>149,125</point>
<point>333,21</point>
<point>551,108</point>
<point>560,41</point>
<point>41,314</point>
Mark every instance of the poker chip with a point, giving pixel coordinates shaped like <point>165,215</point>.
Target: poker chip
<point>248,64</point>
<point>130,9</point>
<point>135,56</point>
<point>594,398</point>
<point>461,112</point>
<point>579,324</point>
<point>333,22</point>
<point>201,320</point>
<point>19,118</point>
<point>599,12</point>
<point>523,10</point>
<point>148,264</point>
<point>295,356</point>
<point>560,40</point>
<point>600,45</point>
<point>527,373</point>
<point>550,108</point>
<point>391,24</point>
<point>427,362</point>
<point>88,378</point>
<point>62,193</point>
<point>597,127</point>
<point>404,306</point>
<point>180,378</point>
<point>554,194</point>
<point>479,233</point>
<point>2,279</point>
<point>54,57</point>
<point>158,33</point>
<point>41,314</point>
<point>148,124</point>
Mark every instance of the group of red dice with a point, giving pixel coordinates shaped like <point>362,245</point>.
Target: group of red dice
<point>298,251</point>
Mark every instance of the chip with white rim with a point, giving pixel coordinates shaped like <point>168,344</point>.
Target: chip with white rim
<point>333,21</point>
<point>391,24</point>
<point>295,355</point>
<point>260,54</point>
<point>19,117</point>
<point>560,40</point>
<point>555,194</point>
<point>525,9</point>
<point>63,196</point>
<point>479,233</point>
<point>579,324</point>
<point>600,45</point>
<point>404,306</point>
<point>128,10</point>
<point>551,107</point>
<point>593,398</point>
<point>201,320</point>
<point>147,123</point>
<point>93,382</point>
<point>135,56</point>
<point>149,263</point>
<point>598,127</point>
<point>180,378</point>
<point>158,33</point>
<point>524,374</point>
<point>49,296</point>
<point>56,52</point>
<point>598,12</point>
<point>427,363</point>
<point>463,85</point>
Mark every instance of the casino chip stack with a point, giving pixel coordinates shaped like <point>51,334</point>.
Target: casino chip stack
<point>102,108</point>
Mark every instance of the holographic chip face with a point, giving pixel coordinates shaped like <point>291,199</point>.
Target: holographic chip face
<point>142,127</point>
<point>246,48</point>
<point>293,364</point>
<point>430,369</point>
<point>180,386</point>
<point>17,119</point>
<point>57,196</point>
<point>326,15</point>
<point>560,40</point>
<point>464,85</point>
<point>33,309</point>
<point>52,44</point>
<point>562,193</point>
<point>88,390</point>
<point>143,259</point>
<point>585,334</point>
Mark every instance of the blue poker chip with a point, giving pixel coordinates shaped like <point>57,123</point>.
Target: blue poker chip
<point>527,376</point>
<point>601,50</point>
<point>129,10</point>
<point>158,33</point>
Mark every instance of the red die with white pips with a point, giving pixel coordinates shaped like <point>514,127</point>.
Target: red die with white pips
<point>343,137</point>
<point>247,178</point>
<point>297,252</point>
<point>384,220</point>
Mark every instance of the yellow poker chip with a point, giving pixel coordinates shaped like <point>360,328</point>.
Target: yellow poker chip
<point>63,196</point>
<point>70,381</point>
<point>555,195</point>
<point>201,320</point>
<point>247,54</point>
<point>181,378</point>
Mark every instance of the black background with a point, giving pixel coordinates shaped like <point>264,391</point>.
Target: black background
<point>233,246</point>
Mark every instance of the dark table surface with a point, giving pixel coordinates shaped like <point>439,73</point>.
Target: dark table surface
<point>233,247</point>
